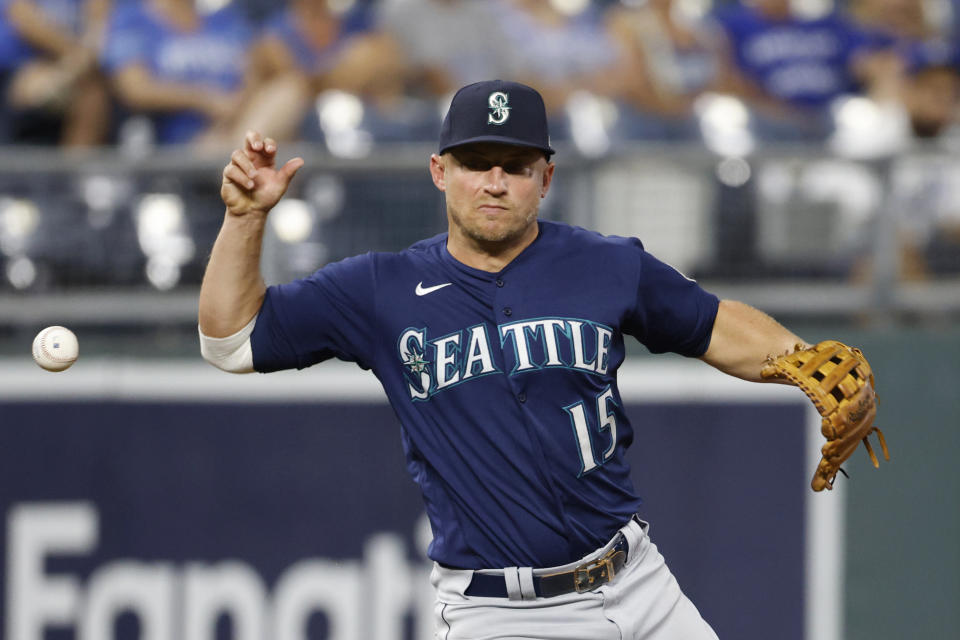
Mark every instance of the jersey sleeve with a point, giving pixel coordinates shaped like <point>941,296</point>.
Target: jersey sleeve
<point>672,312</point>
<point>330,314</point>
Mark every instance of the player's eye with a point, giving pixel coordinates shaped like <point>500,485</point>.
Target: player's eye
<point>518,168</point>
<point>476,164</point>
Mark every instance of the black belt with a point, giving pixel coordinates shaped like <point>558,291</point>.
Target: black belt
<point>586,577</point>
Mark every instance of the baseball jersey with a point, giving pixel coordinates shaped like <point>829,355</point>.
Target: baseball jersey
<point>504,383</point>
<point>806,63</point>
<point>212,57</point>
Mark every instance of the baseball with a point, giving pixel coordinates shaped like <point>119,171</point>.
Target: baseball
<point>55,348</point>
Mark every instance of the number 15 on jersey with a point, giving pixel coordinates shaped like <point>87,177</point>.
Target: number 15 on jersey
<point>601,415</point>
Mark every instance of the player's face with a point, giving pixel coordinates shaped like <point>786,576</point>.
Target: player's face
<point>493,191</point>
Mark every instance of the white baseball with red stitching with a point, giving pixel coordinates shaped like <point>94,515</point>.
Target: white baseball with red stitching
<point>55,348</point>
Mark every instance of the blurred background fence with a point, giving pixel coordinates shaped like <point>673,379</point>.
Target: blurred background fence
<point>800,233</point>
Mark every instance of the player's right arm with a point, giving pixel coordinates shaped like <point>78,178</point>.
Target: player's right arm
<point>233,289</point>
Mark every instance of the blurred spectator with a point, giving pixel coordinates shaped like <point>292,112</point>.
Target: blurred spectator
<point>667,59</point>
<point>923,200</point>
<point>892,18</point>
<point>793,67</point>
<point>432,47</point>
<point>911,70</point>
<point>312,54</point>
<point>303,49</point>
<point>931,89</point>
<point>559,52</point>
<point>565,50</point>
<point>925,194</point>
<point>50,84</point>
<point>370,69</point>
<point>913,63</point>
<point>444,44</point>
<point>184,69</point>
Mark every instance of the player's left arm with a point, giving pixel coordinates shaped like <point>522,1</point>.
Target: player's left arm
<point>742,339</point>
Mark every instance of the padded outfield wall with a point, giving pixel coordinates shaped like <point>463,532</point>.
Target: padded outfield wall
<point>169,500</point>
<point>903,534</point>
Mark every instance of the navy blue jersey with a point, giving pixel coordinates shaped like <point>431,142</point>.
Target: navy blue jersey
<point>504,383</point>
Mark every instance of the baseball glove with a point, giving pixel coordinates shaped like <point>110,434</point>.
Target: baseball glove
<point>838,380</point>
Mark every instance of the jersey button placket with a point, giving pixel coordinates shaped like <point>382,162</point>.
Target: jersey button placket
<point>507,310</point>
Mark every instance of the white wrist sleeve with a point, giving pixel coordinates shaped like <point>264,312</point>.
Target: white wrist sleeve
<point>233,353</point>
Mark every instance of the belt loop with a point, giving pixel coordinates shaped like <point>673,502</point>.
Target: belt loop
<point>635,531</point>
<point>527,590</point>
<point>643,523</point>
<point>511,578</point>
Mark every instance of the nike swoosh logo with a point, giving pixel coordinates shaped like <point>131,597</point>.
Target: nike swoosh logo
<point>422,290</point>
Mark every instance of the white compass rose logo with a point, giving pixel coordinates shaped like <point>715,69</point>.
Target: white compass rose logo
<point>499,107</point>
<point>416,362</point>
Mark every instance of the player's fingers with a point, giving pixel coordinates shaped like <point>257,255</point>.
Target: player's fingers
<point>290,169</point>
<point>233,174</point>
<point>269,146</point>
<point>243,162</point>
<point>254,141</point>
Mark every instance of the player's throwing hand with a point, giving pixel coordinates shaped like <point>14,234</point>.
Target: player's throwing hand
<point>251,181</point>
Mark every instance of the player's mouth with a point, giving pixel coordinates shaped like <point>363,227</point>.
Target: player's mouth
<point>491,208</point>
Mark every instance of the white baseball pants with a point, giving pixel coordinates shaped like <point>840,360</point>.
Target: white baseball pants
<point>643,602</point>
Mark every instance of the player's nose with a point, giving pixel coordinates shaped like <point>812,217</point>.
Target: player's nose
<point>496,181</point>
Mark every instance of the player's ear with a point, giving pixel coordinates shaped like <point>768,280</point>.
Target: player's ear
<point>547,179</point>
<point>438,172</point>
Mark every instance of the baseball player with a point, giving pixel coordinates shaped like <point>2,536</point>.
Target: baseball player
<point>498,345</point>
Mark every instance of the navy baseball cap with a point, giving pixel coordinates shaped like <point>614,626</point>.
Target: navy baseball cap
<point>496,111</point>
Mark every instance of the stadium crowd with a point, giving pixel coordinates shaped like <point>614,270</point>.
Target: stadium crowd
<point>356,73</point>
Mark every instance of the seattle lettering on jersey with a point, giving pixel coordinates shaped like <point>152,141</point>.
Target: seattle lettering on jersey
<point>526,345</point>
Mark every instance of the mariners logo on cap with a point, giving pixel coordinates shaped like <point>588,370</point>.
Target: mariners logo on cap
<point>499,109</point>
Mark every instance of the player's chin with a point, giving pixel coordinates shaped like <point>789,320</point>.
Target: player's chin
<point>496,231</point>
